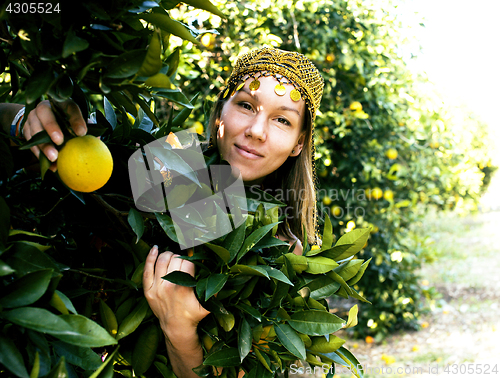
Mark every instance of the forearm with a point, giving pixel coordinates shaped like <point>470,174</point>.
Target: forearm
<point>184,352</point>
<point>7,114</point>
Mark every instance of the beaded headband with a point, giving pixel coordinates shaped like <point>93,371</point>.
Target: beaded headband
<point>286,67</point>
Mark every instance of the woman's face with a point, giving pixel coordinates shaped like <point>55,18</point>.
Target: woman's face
<point>258,130</point>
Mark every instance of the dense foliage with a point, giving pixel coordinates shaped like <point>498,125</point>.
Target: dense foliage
<point>71,263</point>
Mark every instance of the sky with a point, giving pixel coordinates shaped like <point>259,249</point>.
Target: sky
<point>461,52</point>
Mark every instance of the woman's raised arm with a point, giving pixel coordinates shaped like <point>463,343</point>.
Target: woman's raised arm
<point>177,309</point>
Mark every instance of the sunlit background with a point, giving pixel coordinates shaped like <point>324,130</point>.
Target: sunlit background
<point>460,55</point>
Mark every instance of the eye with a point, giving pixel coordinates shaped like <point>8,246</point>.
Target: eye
<point>283,121</point>
<point>245,105</point>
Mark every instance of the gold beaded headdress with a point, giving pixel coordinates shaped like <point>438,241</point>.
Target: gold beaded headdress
<point>286,67</point>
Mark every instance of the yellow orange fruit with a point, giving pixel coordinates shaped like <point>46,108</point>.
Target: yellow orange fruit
<point>388,195</point>
<point>85,163</point>
<point>356,106</point>
<point>208,40</point>
<point>391,153</point>
<point>376,193</point>
<point>369,339</point>
<point>198,126</point>
<point>336,210</point>
<point>329,58</point>
<point>327,200</point>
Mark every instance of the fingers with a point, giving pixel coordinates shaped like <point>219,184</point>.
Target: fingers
<point>149,269</point>
<point>75,117</point>
<point>47,120</point>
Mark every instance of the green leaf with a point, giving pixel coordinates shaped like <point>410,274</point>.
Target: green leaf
<point>319,265</point>
<point>354,280</point>
<point>84,332</point>
<point>66,301</point>
<point>108,318</point>
<point>315,323</point>
<point>290,340</point>
<point>164,370</point>
<point>327,234</point>
<point>234,240</point>
<point>173,161</point>
<point>126,65</point>
<point>298,263</point>
<point>73,44</point>
<point>59,371</point>
<point>222,252</point>
<point>11,358</point>
<point>353,317</point>
<point>28,258</point>
<point>254,239</point>
<point>174,95</point>
<point>180,278</point>
<point>5,269</point>
<point>244,339</point>
<point>83,357</point>
<point>357,238</point>
<point>136,221</point>
<point>173,62</point>
<point>250,270</point>
<point>164,22</point>
<point>321,345</point>
<point>205,5</point>
<point>73,329</point>
<point>27,289</point>
<point>168,226</point>
<point>39,138</point>
<point>322,287</point>
<point>224,358</point>
<point>349,269</point>
<point>145,349</point>
<point>333,252</point>
<point>352,363</point>
<point>39,83</point>
<point>249,310</point>
<point>215,283</point>
<point>132,321</point>
<point>276,274</point>
<point>109,113</point>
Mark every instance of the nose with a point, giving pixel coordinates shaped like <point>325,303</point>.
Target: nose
<point>257,128</point>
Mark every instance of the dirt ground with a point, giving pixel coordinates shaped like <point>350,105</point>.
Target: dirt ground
<point>461,334</point>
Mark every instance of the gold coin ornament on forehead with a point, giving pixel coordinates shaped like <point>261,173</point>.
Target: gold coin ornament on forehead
<point>295,95</point>
<point>254,85</point>
<point>242,84</point>
<point>280,89</point>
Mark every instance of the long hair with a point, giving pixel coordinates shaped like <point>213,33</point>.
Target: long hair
<point>292,183</point>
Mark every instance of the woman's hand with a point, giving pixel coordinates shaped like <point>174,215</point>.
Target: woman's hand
<point>177,309</point>
<point>42,118</point>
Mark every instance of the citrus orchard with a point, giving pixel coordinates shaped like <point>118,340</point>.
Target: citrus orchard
<point>85,163</point>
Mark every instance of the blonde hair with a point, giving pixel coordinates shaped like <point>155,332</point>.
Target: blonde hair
<point>295,178</point>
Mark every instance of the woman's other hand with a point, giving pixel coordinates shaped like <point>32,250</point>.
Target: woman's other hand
<point>42,118</point>
<point>177,309</point>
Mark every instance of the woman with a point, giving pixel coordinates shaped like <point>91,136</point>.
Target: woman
<point>262,123</point>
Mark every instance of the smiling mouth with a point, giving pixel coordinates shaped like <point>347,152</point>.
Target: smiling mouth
<point>248,151</point>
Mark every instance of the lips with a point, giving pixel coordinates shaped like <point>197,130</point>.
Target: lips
<point>248,152</point>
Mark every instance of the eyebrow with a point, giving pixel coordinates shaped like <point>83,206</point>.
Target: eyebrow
<point>283,107</point>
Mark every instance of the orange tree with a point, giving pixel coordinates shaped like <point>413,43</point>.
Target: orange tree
<point>71,261</point>
<point>387,147</point>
